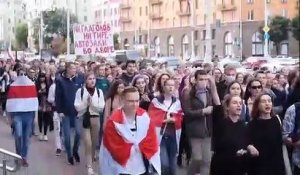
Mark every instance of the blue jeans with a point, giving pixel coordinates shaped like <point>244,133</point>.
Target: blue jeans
<point>168,151</point>
<point>22,129</point>
<point>68,123</point>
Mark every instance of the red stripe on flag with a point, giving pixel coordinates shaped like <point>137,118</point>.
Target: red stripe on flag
<point>22,92</point>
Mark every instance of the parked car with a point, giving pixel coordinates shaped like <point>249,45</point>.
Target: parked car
<point>172,61</point>
<point>254,62</point>
<point>122,56</point>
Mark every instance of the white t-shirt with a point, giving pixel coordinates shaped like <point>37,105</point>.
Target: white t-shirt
<point>135,162</point>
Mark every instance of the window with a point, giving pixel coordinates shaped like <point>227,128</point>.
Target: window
<point>146,38</point>
<point>13,29</point>
<point>185,46</point>
<point>250,1</point>
<point>140,11</point>
<point>116,11</point>
<point>284,48</point>
<point>146,11</point>
<point>140,39</point>
<point>284,13</point>
<point>196,50</point>
<point>268,1</point>
<point>284,1</point>
<point>203,34</point>
<point>8,20</point>
<point>213,33</point>
<point>297,4</point>
<point>104,12</point>
<point>204,50</point>
<point>213,49</point>
<point>85,18</point>
<point>251,15</point>
<point>232,2</point>
<point>171,46</point>
<point>228,44</point>
<point>196,35</point>
<point>196,4</point>
<point>173,22</point>
<point>257,44</point>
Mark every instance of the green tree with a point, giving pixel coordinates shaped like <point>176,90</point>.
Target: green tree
<point>279,26</point>
<point>55,22</point>
<point>295,25</point>
<point>21,35</point>
<point>116,41</point>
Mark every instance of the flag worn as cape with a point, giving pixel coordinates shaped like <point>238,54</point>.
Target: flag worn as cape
<point>118,143</point>
<point>22,96</point>
<point>158,112</point>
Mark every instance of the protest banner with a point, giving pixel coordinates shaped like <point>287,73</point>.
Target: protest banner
<point>93,39</point>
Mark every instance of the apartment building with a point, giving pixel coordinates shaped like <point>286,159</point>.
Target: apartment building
<point>108,12</point>
<point>12,12</point>
<point>222,27</point>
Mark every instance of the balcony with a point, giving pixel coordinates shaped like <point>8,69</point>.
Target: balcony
<point>183,14</point>
<point>125,19</point>
<point>125,6</point>
<point>227,7</point>
<point>156,16</point>
<point>156,2</point>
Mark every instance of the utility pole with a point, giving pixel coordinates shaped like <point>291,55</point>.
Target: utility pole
<point>241,31</point>
<point>41,43</point>
<point>208,12</point>
<point>149,29</point>
<point>192,21</point>
<point>68,30</point>
<point>266,30</point>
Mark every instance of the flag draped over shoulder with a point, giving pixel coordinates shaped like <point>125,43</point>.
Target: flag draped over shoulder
<point>118,143</point>
<point>22,96</point>
<point>158,113</point>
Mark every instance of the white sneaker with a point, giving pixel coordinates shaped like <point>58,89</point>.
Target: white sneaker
<point>41,137</point>
<point>45,138</point>
<point>90,170</point>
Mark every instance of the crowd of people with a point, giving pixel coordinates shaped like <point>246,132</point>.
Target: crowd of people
<point>139,119</point>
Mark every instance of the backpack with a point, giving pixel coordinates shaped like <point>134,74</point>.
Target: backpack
<point>82,90</point>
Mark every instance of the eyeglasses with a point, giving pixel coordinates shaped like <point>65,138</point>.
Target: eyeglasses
<point>256,87</point>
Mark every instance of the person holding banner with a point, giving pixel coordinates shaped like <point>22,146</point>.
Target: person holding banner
<point>166,114</point>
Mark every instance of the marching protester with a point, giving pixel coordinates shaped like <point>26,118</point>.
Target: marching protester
<point>166,114</point>
<point>67,85</point>
<point>130,72</point>
<point>291,126</point>
<point>253,89</point>
<point>89,103</point>
<point>139,81</point>
<point>229,76</point>
<point>44,113</point>
<point>22,102</point>
<point>235,88</point>
<point>264,139</point>
<point>130,143</point>
<point>114,98</point>
<point>229,136</point>
<point>197,108</point>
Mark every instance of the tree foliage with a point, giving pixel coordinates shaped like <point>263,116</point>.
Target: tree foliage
<point>279,26</point>
<point>295,25</point>
<point>21,35</point>
<point>55,22</point>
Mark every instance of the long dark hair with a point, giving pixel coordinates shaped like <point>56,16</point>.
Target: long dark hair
<point>247,92</point>
<point>255,109</point>
<point>146,89</point>
<point>229,86</point>
<point>114,88</point>
<point>159,86</point>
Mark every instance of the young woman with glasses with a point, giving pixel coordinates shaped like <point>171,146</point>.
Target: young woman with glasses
<point>253,89</point>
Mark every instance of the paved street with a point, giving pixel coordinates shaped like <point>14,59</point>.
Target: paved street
<point>42,159</point>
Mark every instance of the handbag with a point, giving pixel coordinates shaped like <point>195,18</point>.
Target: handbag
<point>287,164</point>
<point>86,123</point>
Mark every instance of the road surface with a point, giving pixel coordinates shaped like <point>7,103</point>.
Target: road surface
<point>42,159</point>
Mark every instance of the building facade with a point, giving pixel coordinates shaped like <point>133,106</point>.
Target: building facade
<point>222,27</point>
<point>108,12</point>
<point>12,13</point>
